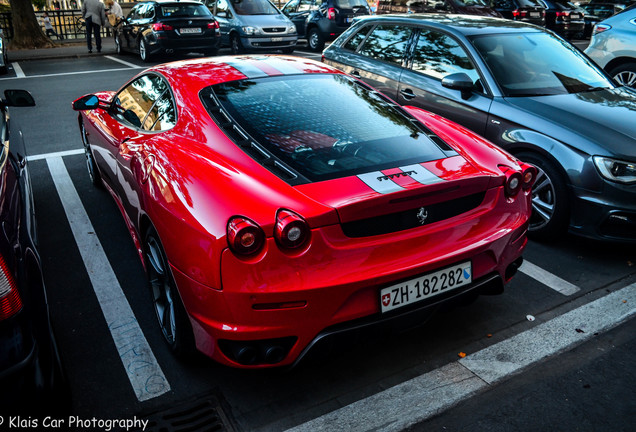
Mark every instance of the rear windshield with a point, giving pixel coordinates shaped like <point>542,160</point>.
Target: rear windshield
<point>185,10</point>
<point>322,126</point>
<point>350,4</point>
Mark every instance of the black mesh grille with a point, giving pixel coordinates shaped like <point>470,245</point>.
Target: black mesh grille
<point>412,218</point>
<point>274,29</point>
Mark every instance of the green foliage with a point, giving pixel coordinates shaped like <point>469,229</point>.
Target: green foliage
<point>39,4</point>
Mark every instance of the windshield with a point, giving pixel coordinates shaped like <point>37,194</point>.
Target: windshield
<point>535,64</point>
<point>254,7</point>
<point>472,2</point>
<point>325,126</point>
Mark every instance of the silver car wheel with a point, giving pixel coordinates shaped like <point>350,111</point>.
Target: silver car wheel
<point>543,201</point>
<point>626,78</point>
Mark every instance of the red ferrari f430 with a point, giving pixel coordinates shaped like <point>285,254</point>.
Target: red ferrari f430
<point>277,203</point>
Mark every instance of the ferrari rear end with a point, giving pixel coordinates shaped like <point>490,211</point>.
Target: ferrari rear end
<point>396,212</point>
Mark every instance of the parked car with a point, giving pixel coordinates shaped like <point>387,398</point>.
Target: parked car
<point>622,4</point>
<point>4,60</point>
<point>468,7</point>
<point>320,21</point>
<point>166,27</point>
<point>563,17</point>
<point>613,46</point>
<point>277,203</point>
<point>522,88</point>
<point>253,25</point>
<point>530,11</point>
<point>31,374</point>
<point>595,13</point>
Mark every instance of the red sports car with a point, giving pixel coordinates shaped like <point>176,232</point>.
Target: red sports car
<point>276,203</point>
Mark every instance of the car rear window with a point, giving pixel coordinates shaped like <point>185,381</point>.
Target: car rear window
<point>320,126</point>
<point>350,4</point>
<point>184,10</point>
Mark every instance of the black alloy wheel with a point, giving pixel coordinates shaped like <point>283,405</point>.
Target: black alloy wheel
<point>235,44</point>
<point>143,50</point>
<point>91,166</point>
<point>315,40</point>
<point>173,320</point>
<point>550,205</point>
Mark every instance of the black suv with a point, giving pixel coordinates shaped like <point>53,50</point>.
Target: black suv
<point>323,20</point>
<point>530,11</point>
<point>155,27</point>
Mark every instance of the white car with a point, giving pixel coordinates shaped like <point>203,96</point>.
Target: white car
<point>613,46</point>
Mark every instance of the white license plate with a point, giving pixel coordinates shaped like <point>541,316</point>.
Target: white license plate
<point>575,16</point>
<point>348,20</point>
<point>190,30</point>
<point>424,287</point>
<point>534,14</point>
<point>277,39</point>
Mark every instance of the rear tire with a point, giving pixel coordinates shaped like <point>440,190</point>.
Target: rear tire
<point>91,166</point>
<point>315,40</point>
<point>624,74</point>
<point>550,199</point>
<point>235,44</point>
<point>143,50</point>
<point>171,314</point>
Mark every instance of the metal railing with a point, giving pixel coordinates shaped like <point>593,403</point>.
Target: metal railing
<point>68,24</point>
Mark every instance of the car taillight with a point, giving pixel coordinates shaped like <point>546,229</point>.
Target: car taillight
<point>244,236</point>
<point>10,302</point>
<point>563,14</point>
<point>331,13</point>
<point>514,181</point>
<point>161,27</point>
<point>213,25</point>
<point>291,230</point>
<point>518,13</point>
<point>528,175</point>
<point>600,28</point>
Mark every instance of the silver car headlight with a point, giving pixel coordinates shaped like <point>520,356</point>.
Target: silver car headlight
<point>248,30</point>
<point>291,29</point>
<point>616,170</point>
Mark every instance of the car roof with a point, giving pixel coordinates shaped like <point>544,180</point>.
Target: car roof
<point>203,72</point>
<point>464,24</point>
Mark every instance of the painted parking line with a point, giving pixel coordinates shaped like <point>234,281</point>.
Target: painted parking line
<point>420,398</point>
<point>69,73</point>
<point>56,154</point>
<point>548,279</point>
<point>19,73</point>
<point>118,60</point>
<point>145,374</point>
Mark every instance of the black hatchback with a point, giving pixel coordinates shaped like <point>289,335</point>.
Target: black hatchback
<point>158,27</point>
<point>563,17</point>
<point>530,11</point>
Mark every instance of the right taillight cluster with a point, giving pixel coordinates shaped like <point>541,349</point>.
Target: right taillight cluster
<point>245,237</point>
<point>517,180</point>
<point>10,302</point>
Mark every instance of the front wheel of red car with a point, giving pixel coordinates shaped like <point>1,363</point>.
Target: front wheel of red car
<point>172,317</point>
<point>91,166</point>
<point>550,203</point>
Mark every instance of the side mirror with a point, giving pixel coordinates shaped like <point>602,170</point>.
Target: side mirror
<point>87,102</point>
<point>458,81</point>
<point>18,98</point>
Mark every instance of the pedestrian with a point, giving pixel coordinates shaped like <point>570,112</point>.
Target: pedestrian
<point>94,16</point>
<point>49,27</point>
<point>114,11</point>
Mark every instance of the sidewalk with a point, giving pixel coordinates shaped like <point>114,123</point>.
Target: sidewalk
<point>64,49</point>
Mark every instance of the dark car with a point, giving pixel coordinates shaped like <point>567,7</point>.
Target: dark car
<point>531,93</point>
<point>319,21</point>
<point>563,17</point>
<point>530,11</point>
<point>157,27</point>
<point>597,12</point>
<point>31,376</point>
<point>468,7</point>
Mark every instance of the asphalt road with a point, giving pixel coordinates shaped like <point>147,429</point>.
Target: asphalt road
<point>578,374</point>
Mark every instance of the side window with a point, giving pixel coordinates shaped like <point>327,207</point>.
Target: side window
<point>355,41</point>
<point>387,43</point>
<point>291,7</point>
<point>148,12</point>
<point>134,13</point>
<point>222,8</point>
<point>438,55</point>
<point>146,101</point>
<point>306,5</point>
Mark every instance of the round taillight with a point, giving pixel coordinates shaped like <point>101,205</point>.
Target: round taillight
<point>244,236</point>
<point>291,230</point>
<point>513,183</point>
<point>529,176</point>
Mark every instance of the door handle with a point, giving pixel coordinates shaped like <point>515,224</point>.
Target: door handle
<point>407,94</point>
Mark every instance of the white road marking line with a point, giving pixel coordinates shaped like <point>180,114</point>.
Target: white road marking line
<point>132,65</point>
<point>69,73</point>
<point>548,279</point>
<point>18,70</point>
<point>56,154</point>
<point>144,373</point>
<point>418,399</point>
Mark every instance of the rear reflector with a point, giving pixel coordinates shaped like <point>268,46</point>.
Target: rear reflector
<point>10,302</point>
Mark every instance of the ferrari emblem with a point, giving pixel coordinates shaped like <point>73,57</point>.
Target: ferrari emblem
<point>422,215</point>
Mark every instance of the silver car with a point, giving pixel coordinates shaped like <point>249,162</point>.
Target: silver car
<point>613,46</point>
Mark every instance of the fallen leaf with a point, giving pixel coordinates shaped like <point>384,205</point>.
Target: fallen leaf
<point>489,335</point>
<point>578,330</point>
<point>624,301</point>
<point>462,354</point>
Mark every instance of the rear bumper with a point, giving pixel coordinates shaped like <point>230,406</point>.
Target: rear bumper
<point>301,298</point>
<point>161,44</point>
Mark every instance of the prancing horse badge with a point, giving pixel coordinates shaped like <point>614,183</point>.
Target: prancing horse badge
<point>422,214</point>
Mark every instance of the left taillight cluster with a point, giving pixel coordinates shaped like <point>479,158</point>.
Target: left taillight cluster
<point>159,26</point>
<point>245,237</point>
<point>10,302</point>
<point>517,180</point>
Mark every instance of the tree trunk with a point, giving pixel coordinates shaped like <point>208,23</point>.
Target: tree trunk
<point>27,33</point>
